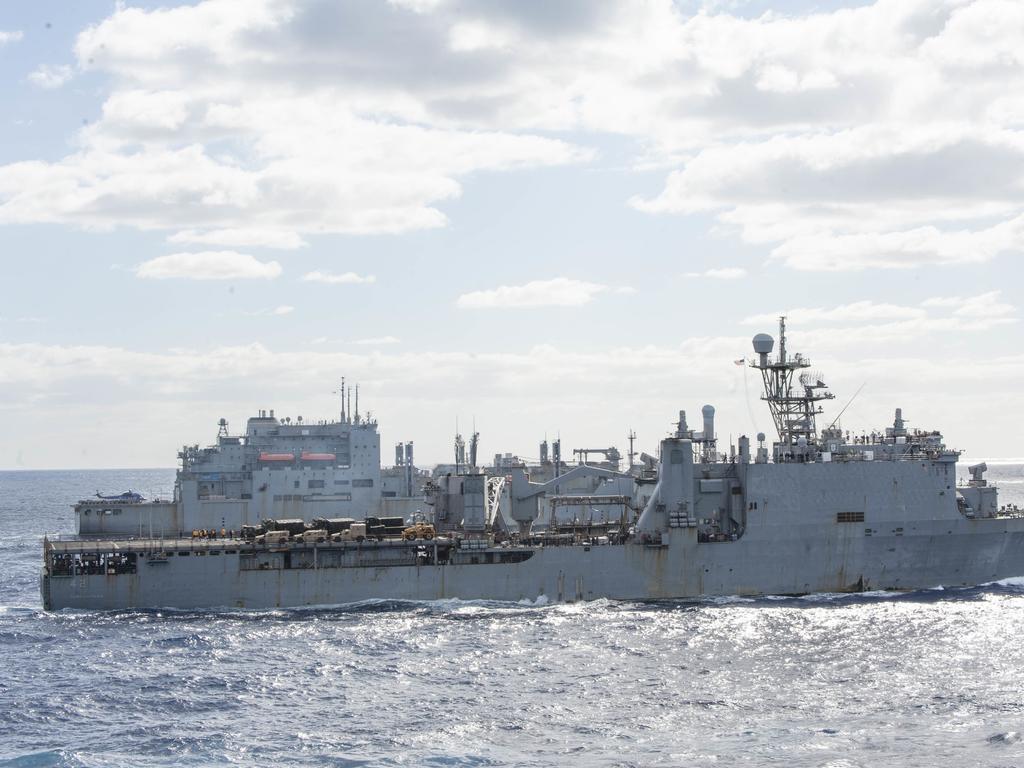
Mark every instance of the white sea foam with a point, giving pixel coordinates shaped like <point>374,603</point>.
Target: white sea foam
<point>476,683</point>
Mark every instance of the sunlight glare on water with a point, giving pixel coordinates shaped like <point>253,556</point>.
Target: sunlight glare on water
<point>823,680</point>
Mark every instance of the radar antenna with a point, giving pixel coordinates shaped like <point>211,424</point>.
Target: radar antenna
<point>793,405</point>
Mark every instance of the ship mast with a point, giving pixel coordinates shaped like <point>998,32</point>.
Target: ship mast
<point>793,405</point>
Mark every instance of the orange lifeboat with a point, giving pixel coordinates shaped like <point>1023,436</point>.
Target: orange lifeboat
<point>311,456</point>
<point>277,456</point>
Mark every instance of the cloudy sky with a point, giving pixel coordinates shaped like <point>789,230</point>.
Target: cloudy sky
<point>553,217</point>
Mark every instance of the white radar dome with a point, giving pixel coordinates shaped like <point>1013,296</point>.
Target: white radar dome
<point>763,344</point>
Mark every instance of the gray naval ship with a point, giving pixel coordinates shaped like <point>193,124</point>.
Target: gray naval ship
<point>817,511</point>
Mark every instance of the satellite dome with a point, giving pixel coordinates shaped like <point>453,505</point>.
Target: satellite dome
<point>760,437</point>
<point>801,441</point>
<point>763,344</point>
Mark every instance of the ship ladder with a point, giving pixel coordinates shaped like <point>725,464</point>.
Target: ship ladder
<point>47,599</point>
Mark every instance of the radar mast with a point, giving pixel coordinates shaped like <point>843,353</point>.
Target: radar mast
<point>793,405</point>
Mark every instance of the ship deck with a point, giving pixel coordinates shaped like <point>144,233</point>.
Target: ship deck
<point>86,545</point>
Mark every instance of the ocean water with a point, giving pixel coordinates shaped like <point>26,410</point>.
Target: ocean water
<point>921,679</point>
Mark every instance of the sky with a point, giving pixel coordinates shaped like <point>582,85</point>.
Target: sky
<point>545,219</point>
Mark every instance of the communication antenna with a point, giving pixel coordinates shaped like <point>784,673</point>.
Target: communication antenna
<point>632,453</point>
<point>474,445</point>
<point>460,448</point>
<point>847,405</point>
<point>782,338</point>
<point>746,394</point>
<point>342,393</point>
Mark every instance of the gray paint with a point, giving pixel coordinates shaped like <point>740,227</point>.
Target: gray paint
<point>829,513</point>
<point>912,536</point>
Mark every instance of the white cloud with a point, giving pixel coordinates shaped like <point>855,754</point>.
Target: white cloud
<point>345,278</point>
<point>142,114</point>
<point>377,341</point>
<point>983,305</point>
<point>885,135</point>
<point>260,238</point>
<point>418,6</point>
<point>872,197</point>
<point>208,265</point>
<point>469,36</point>
<point>868,320</point>
<point>10,36</point>
<point>781,79</point>
<point>279,311</point>
<point>722,273</point>
<point>24,319</point>
<point>309,172</point>
<point>922,246</point>
<point>46,76</point>
<point>223,121</point>
<point>855,311</point>
<point>558,292</point>
<point>90,391</point>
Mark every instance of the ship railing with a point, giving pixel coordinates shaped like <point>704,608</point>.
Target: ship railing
<point>183,543</point>
<point>914,454</point>
<point>72,543</point>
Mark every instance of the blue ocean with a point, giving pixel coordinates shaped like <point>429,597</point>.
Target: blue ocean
<point>920,679</point>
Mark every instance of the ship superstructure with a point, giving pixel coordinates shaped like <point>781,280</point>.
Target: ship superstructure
<point>817,511</point>
<point>280,467</point>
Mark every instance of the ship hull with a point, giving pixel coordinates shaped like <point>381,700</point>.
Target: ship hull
<point>802,560</point>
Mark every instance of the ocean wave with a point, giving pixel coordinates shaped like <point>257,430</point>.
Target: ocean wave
<point>58,758</point>
<point>823,679</point>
